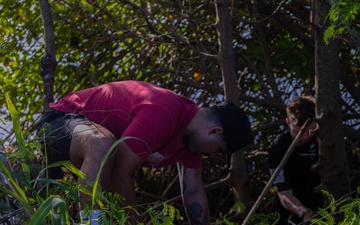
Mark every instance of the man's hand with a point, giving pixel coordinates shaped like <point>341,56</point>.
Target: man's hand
<point>307,215</point>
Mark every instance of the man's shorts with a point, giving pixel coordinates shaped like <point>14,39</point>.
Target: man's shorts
<point>55,132</point>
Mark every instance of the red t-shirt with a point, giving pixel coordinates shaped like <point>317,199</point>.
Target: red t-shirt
<point>157,116</point>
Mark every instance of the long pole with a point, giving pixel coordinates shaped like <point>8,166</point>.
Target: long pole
<point>278,169</point>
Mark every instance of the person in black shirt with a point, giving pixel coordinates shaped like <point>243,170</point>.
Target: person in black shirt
<point>295,183</point>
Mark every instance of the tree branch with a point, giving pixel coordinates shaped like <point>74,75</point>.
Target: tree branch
<point>48,61</point>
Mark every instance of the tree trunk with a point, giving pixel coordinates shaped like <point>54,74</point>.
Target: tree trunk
<point>238,176</point>
<point>48,61</point>
<point>332,167</point>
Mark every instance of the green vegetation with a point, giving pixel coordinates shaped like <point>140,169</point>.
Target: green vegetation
<point>173,44</point>
<point>28,197</point>
<point>342,15</point>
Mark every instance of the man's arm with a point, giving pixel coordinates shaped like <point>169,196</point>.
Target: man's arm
<point>291,203</point>
<point>122,180</point>
<point>194,195</point>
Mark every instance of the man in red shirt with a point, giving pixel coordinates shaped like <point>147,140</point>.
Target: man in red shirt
<point>163,129</point>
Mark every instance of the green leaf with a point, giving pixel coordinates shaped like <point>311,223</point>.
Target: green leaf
<point>17,191</point>
<point>18,134</point>
<point>46,209</point>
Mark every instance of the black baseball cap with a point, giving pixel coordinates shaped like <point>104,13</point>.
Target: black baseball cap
<point>236,127</point>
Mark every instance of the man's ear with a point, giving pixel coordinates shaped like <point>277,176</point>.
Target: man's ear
<point>287,121</point>
<point>216,130</point>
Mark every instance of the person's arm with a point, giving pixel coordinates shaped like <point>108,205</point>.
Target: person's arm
<point>291,203</point>
<point>122,176</point>
<point>194,195</point>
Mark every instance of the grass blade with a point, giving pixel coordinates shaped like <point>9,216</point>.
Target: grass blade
<point>46,208</point>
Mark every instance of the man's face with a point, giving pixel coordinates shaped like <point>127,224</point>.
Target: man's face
<point>207,141</point>
<point>306,136</point>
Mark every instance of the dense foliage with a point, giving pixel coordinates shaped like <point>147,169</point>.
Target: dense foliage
<point>174,45</point>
